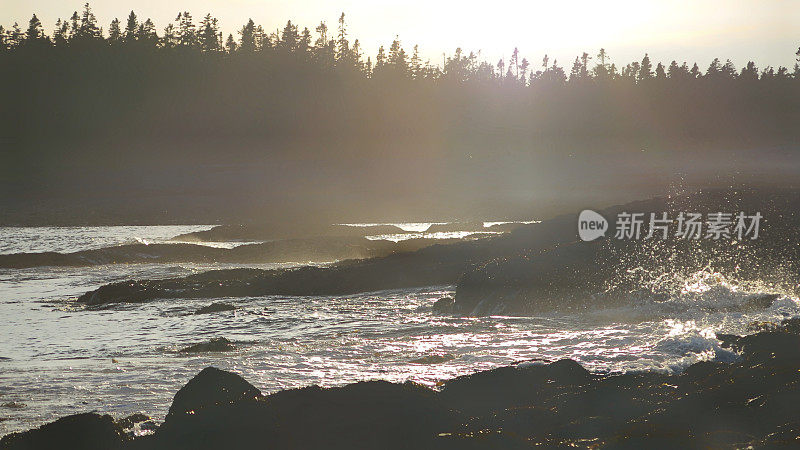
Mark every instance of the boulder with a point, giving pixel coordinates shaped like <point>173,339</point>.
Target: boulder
<point>211,386</point>
<point>215,307</point>
<point>88,431</point>
<point>214,345</point>
<point>444,305</point>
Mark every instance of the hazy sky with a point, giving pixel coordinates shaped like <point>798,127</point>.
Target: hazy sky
<point>766,31</point>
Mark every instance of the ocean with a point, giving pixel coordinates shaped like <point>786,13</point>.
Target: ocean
<point>59,358</point>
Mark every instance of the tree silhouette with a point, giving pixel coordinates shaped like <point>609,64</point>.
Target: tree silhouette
<point>247,41</point>
<point>208,35</point>
<point>645,71</point>
<point>131,28</point>
<point>34,32</point>
<point>230,44</point>
<point>114,32</point>
<point>660,73</point>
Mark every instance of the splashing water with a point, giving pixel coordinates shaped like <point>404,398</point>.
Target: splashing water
<point>57,358</point>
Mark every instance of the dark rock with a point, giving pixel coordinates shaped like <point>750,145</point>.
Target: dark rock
<point>456,226</point>
<point>128,422</point>
<point>215,307</point>
<point>88,431</point>
<point>374,414</point>
<point>433,359</point>
<point>751,402</point>
<point>14,405</point>
<point>568,276</point>
<point>214,345</point>
<point>759,301</point>
<point>512,386</point>
<point>211,386</point>
<point>444,305</point>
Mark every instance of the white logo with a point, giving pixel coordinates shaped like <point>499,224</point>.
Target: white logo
<point>591,225</point>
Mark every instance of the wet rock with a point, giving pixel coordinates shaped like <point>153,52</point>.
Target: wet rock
<point>433,359</point>
<point>211,386</point>
<point>750,402</point>
<point>759,301</point>
<point>88,431</point>
<point>215,307</point>
<point>13,405</point>
<point>509,387</point>
<point>563,276</point>
<point>374,414</point>
<point>214,345</point>
<point>444,305</point>
<point>455,226</point>
<point>128,422</point>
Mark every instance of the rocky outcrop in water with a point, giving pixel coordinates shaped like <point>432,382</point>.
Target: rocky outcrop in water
<point>210,387</point>
<point>215,308</point>
<point>533,268</point>
<point>749,403</point>
<point>610,272</point>
<point>213,345</point>
<point>315,249</point>
<point>434,264</point>
<point>87,431</point>
<point>270,232</point>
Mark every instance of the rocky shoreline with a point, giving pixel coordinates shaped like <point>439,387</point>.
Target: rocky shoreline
<point>522,271</point>
<point>751,403</point>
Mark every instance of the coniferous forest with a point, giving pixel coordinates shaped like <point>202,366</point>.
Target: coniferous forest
<point>94,112</point>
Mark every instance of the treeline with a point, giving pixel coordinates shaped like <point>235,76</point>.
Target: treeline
<point>333,49</point>
<point>187,123</point>
<point>187,91</point>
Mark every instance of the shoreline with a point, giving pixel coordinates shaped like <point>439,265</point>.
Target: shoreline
<point>749,402</point>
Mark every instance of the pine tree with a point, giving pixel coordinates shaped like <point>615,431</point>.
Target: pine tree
<point>416,63</point>
<point>114,32</point>
<point>74,26</point>
<point>601,70</point>
<point>342,45</point>
<point>15,37</point>
<point>187,33</point>
<point>397,56</point>
<point>261,39</point>
<point>514,62</point>
<point>749,72</point>
<point>695,72</point>
<point>524,65</point>
<point>660,73</point>
<point>208,36</point>
<point>304,43</point>
<point>355,56</point>
<point>289,37</point>
<point>34,32</point>
<point>324,53</point>
<point>673,71</point>
<point>729,70</point>
<point>714,69</point>
<point>247,42</point>
<point>645,69</point>
<point>170,38</point>
<point>61,33</point>
<point>230,44</point>
<point>88,28</point>
<point>575,73</point>
<point>146,33</point>
<point>380,59</point>
<point>131,28</point>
